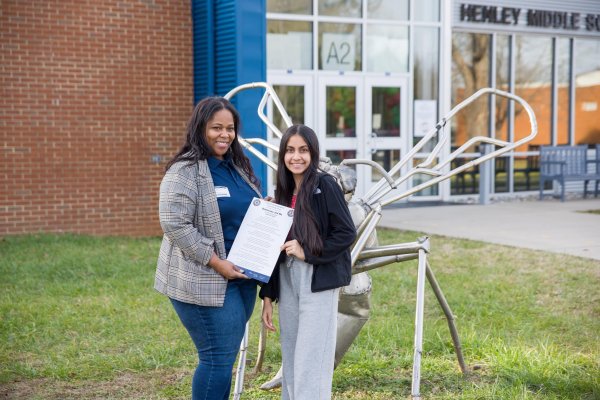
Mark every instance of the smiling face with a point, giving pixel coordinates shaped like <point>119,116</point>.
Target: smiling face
<point>220,132</point>
<point>297,156</point>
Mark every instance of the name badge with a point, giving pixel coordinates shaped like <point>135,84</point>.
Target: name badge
<point>222,191</point>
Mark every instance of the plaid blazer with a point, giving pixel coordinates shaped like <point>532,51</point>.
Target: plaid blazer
<point>191,222</point>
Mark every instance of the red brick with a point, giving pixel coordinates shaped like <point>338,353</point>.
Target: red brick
<point>90,91</point>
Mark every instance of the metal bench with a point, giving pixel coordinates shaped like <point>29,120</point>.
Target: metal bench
<point>567,163</point>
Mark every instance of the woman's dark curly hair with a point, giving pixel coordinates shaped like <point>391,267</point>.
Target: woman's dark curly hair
<point>196,147</point>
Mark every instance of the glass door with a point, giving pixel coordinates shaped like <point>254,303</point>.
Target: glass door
<point>341,120</point>
<point>365,118</point>
<point>296,95</point>
<point>386,125</point>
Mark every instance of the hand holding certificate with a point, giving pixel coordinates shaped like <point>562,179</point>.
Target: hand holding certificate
<point>257,245</point>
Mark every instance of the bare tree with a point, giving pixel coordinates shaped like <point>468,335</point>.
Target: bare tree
<point>471,72</point>
<point>471,59</point>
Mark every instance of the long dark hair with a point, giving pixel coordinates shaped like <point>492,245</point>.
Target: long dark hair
<point>196,147</point>
<point>305,228</point>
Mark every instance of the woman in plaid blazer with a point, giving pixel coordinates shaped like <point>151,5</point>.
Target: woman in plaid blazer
<point>204,195</point>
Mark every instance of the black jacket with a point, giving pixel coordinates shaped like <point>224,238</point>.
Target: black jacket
<point>332,268</point>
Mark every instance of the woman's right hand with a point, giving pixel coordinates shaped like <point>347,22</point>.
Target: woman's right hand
<point>267,314</point>
<point>226,268</point>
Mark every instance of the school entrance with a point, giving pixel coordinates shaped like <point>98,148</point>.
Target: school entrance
<point>354,115</point>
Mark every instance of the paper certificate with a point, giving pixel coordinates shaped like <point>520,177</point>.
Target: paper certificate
<point>257,245</point>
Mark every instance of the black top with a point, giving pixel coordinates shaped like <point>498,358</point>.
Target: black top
<point>332,268</point>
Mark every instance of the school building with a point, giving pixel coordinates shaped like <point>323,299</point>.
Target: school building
<point>96,95</point>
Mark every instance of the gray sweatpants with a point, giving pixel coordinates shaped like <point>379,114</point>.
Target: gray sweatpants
<point>308,324</point>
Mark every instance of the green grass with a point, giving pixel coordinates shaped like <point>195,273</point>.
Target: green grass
<point>590,211</point>
<point>80,320</point>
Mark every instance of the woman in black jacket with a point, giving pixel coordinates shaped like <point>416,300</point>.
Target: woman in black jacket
<point>315,263</point>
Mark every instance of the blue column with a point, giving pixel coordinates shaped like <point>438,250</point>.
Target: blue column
<point>230,50</point>
<point>203,42</point>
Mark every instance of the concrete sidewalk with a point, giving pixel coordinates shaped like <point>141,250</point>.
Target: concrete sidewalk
<point>542,225</point>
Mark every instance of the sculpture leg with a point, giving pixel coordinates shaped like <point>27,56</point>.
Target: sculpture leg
<point>262,346</point>
<point>416,378</point>
<point>239,376</point>
<point>449,317</point>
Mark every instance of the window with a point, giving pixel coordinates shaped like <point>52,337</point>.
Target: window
<point>388,9</point>
<point>587,91</point>
<point>563,52</point>
<point>385,107</point>
<point>290,6</point>
<point>387,48</point>
<point>341,111</point>
<point>340,47</point>
<point>502,83</point>
<point>341,8</point>
<point>292,99</point>
<point>470,72</point>
<point>426,70</point>
<point>533,82</point>
<point>427,10</point>
<point>502,164</point>
<point>289,44</point>
<point>426,63</point>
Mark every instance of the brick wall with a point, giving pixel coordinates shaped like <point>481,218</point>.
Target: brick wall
<point>95,96</point>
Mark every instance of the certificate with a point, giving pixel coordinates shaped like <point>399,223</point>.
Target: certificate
<point>257,245</point>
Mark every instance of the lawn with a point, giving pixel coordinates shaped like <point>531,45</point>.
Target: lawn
<point>590,211</point>
<point>80,320</point>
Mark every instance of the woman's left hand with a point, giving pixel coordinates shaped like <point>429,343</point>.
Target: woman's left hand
<point>293,248</point>
<point>267,314</point>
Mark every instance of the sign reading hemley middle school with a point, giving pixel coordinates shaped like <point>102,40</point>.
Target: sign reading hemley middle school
<point>561,20</point>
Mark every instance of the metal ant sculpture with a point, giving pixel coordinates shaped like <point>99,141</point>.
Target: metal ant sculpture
<point>354,302</point>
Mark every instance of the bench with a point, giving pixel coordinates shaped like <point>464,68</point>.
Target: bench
<point>567,163</point>
<point>531,167</point>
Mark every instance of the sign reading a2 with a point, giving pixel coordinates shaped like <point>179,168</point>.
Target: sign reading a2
<point>338,51</point>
